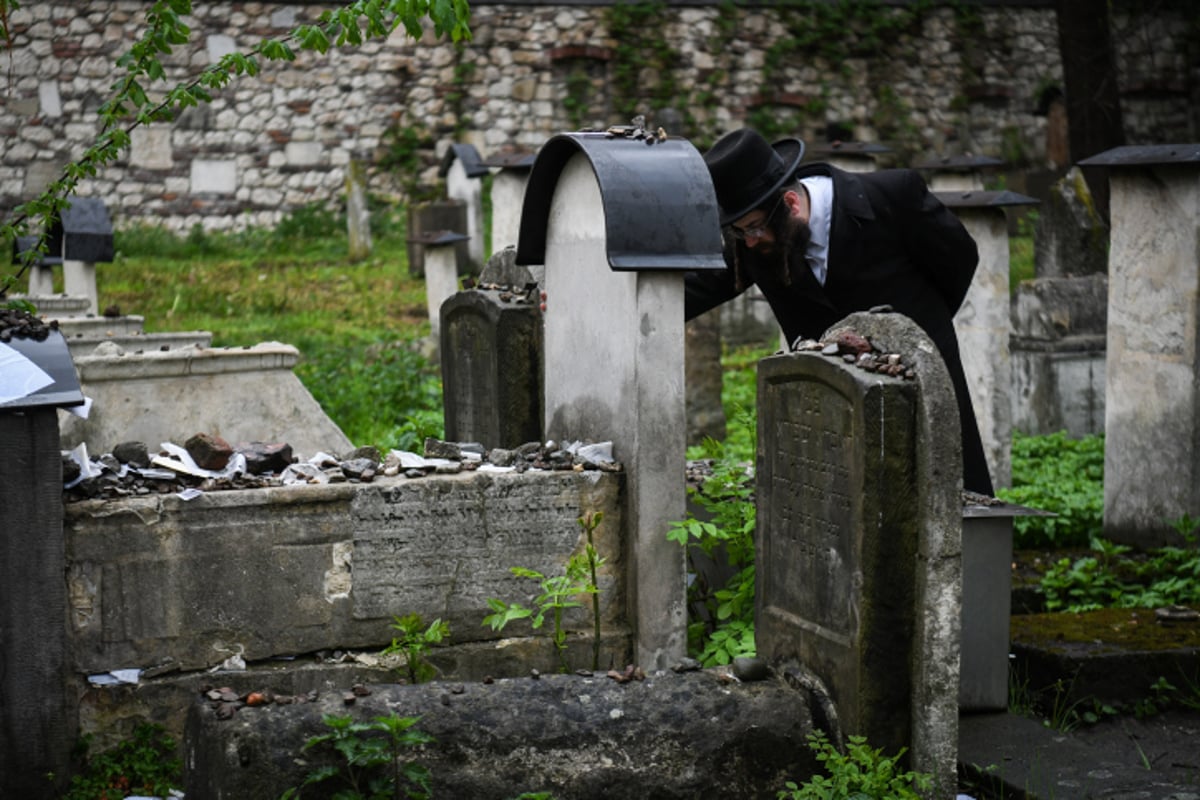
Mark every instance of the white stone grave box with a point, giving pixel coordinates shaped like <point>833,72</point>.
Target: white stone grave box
<point>850,156</point>
<point>957,173</point>
<point>983,322</point>
<point>858,538</point>
<point>617,220</point>
<point>463,170</point>
<point>509,179</point>
<point>1152,395</point>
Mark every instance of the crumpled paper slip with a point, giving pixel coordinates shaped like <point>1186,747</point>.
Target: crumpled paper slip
<point>595,453</point>
<point>180,461</point>
<point>235,662</point>
<point>115,677</point>
<point>410,460</point>
<point>86,468</point>
<point>19,377</point>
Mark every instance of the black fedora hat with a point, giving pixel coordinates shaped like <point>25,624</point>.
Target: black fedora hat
<point>746,170</point>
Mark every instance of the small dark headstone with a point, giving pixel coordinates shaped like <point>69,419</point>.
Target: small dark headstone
<point>492,355</point>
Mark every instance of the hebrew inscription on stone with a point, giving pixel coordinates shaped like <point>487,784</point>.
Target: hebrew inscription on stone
<point>811,567</point>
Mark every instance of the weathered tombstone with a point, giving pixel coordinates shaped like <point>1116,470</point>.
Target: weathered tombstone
<point>704,378</point>
<point>1152,395</point>
<point>508,193</point>
<point>37,715</point>
<point>441,273</point>
<point>858,538</point>
<point>614,364</point>
<point>491,355</point>
<point>358,216</point>
<point>41,271</point>
<point>83,237</point>
<point>462,169</point>
<point>426,218</point>
<point>80,238</point>
<point>850,156</point>
<point>1058,360</point>
<point>962,173</point>
<point>982,324</point>
<point>1071,237</point>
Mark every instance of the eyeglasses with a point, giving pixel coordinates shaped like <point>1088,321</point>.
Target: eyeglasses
<point>758,230</point>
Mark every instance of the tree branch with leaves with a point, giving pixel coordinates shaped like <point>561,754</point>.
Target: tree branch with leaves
<point>137,100</point>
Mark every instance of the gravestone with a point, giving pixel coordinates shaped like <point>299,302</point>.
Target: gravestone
<point>425,218</point>
<point>441,273</point>
<point>37,713</point>
<point>1058,360</point>
<point>491,355</point>
<point>983,322</point>
<point>358,215</point>
<point>462,169</point>
<point>957,173</point>
<point>704,378</point>
<point>508,193</point>
<point>1071,237</point>
<point>858,540</point>
<point>1152,395</point>
<point>614,343</point>
<point>849,156</point>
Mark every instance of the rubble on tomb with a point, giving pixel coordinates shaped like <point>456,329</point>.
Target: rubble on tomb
<point>207,463</point>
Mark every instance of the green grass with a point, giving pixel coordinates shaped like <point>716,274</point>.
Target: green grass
<point>356,325</point>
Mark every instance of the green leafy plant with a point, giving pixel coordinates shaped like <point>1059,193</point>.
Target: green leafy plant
<point>725,629</point>
<point>1066,476</point>
<point>414,642</point>
<point>143,764</point>
<point>373,763</point>
<point>558,593</point>
<point>861,773</point>
<point>1113,578</point>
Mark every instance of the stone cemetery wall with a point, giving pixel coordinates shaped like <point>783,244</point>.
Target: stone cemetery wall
<point>178,586</point>
<point>951,81</point>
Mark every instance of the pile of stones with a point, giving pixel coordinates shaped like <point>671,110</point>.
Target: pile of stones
<point>209,463</point>
<point>17,323</point>
<point>858,350</point>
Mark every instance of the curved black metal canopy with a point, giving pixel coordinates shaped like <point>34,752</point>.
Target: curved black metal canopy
<point>660,208</point>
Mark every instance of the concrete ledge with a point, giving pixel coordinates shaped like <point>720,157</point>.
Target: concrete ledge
<point>187,361</point>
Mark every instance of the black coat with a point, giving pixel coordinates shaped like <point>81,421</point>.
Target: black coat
<point>891,242</point>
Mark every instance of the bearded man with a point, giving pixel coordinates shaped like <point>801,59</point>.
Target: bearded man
<point>822,243</point>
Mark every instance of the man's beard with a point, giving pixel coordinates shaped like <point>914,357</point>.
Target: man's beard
<point>791,236</point>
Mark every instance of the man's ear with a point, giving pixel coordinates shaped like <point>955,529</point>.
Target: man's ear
<point>796,203</point>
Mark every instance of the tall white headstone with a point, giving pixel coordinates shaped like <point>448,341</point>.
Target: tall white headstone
<point>462,169</point>
<point>1152,394</point>
<point>982,324</point>
<point>614,336</point>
